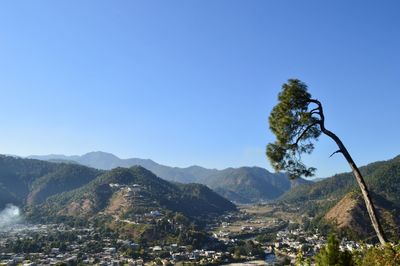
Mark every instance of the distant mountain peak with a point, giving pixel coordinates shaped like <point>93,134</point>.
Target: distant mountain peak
<point>100,153</point>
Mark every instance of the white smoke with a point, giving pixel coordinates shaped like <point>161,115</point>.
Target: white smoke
<point>10,216</point>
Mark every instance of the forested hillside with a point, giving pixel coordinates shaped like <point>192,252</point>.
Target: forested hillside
<point>126,192</point>
<point>25,181</point>
<point>382,178</point>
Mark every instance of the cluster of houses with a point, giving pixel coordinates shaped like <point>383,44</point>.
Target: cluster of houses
<point>74,251</point>
<point>182,254</point>
<point>130,190</point>
<point>109,255</point>
<point>290,242</point>
<point>287,243</point>
<point>111,250</point>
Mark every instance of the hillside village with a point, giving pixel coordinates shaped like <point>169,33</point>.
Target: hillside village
<point>90,245</point>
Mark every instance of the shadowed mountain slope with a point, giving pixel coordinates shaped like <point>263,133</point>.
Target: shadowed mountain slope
<point>25,181</point>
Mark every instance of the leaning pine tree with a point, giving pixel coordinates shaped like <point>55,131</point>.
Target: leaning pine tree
<point>297,120</point>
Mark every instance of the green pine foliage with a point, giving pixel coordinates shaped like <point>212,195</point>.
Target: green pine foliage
<point>295,128</point>
<point>331,255</point>
<point>388,255</point>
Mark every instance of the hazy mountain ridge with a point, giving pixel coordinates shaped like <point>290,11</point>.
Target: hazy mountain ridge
<point>108,161</point>
<point>242,185</point>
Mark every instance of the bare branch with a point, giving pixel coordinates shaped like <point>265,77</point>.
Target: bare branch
<point>305,131</point>
<point>315,112</point>
<point>335,153</point>
<point>319,111</point>
<point>315,101</point>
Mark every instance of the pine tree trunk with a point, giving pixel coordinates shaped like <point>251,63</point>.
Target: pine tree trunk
<point>360,180</point>
<point>361,183</point>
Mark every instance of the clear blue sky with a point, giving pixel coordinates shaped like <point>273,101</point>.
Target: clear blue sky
<point>193,82</point>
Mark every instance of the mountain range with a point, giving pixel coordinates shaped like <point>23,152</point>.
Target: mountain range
<point>54,189</point>
<point>61,185</point>
<point>241,185</point>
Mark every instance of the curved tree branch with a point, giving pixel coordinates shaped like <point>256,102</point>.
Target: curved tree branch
<point>314,112</point>
<point>335,153</point>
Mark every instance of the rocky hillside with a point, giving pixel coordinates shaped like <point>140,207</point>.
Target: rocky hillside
<point>350,214</point>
